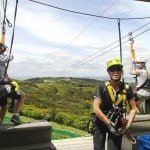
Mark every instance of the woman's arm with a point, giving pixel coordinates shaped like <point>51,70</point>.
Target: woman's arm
<point>132,113</point>
<point>132,70</point>
<point>4,56</point>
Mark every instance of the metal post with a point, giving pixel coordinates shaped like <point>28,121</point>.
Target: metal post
<point>120,39</point>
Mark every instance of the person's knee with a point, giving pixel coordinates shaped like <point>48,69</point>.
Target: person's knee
<point>23,96</point>
<point>3,108</point>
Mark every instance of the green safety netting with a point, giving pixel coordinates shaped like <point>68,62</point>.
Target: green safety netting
<point>6,119</point>
<point>63,134</point>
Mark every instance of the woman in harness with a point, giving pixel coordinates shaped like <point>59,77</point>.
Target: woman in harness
<point>141,80</point>
<point>109,103</point>
<point>141,75</point>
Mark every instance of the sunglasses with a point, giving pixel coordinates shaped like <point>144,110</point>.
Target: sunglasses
<point>138,62</point>
<point>112,69</point>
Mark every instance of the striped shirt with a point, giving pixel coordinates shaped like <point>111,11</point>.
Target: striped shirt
<point>4,58</point>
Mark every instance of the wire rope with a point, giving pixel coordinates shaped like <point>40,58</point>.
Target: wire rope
<point>89,57</point>
<point>87,14</point>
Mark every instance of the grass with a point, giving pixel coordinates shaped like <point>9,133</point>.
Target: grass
<point>65,132</point>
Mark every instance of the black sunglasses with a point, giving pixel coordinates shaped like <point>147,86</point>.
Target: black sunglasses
<point>115,68</point>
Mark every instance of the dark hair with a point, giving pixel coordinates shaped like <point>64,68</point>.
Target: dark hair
<point>1,45</point>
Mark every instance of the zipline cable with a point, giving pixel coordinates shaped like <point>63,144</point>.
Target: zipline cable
<point>84,29</point>
<point>105,52</point>
<point>90,56</point>
<point>87,14</point>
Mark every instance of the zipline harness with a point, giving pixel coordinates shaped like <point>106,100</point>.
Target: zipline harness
<point>115,115</point>
<point>117,111</point>
<point>133,58</point>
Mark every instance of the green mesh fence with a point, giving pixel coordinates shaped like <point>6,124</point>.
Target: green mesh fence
<point>63,134</point>
<point>56,133</point>
<point>6,120</point>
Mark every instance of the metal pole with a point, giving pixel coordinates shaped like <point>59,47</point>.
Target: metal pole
<point>120,39</point>
<point>120,45</point>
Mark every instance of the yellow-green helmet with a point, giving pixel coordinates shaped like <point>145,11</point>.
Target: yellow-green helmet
<point>114,62</point>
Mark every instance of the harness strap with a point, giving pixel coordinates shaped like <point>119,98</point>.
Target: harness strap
<point>4,82</point>
<point>121,97</point>
<point>110,90</point>
<point>142,86</point>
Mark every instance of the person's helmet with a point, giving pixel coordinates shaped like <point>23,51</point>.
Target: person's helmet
<point>141,59</point>
<point>114,62</point>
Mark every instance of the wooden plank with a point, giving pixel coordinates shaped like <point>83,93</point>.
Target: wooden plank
<point>142,117</point>
<point>139,127</point>
<point>81,143</point>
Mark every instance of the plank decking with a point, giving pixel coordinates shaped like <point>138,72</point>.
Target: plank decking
<point>82,143</point>
<point>140,126</point>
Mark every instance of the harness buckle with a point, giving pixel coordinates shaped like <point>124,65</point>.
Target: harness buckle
<point>116,108</point>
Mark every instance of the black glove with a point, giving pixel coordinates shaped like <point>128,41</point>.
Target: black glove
<point>112,129</point>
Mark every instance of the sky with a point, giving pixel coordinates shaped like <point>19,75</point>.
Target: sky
<point>51,42</point>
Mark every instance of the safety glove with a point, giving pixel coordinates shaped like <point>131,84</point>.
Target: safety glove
<point>112,129</point>
<point>15,85</point>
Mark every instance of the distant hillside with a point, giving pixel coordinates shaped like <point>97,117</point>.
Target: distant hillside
<point>66,101</point>
<point>98,78</point>
<point>63,79</point>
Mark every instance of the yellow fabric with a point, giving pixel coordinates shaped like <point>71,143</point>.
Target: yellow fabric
<point>132,52</point>
<point>14,83</point>
<point>3,38</point>
<point>121,97</point>
<point>148,74</point>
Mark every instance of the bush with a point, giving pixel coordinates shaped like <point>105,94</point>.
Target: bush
<point>34,112</point>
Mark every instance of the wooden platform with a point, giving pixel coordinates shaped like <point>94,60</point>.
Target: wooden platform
<point>81,143</point>
<point>37,136</point>
<point>141,126</point>
<point>28,136</point>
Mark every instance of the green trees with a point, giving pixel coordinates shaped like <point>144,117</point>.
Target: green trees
<point>64,101</point>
